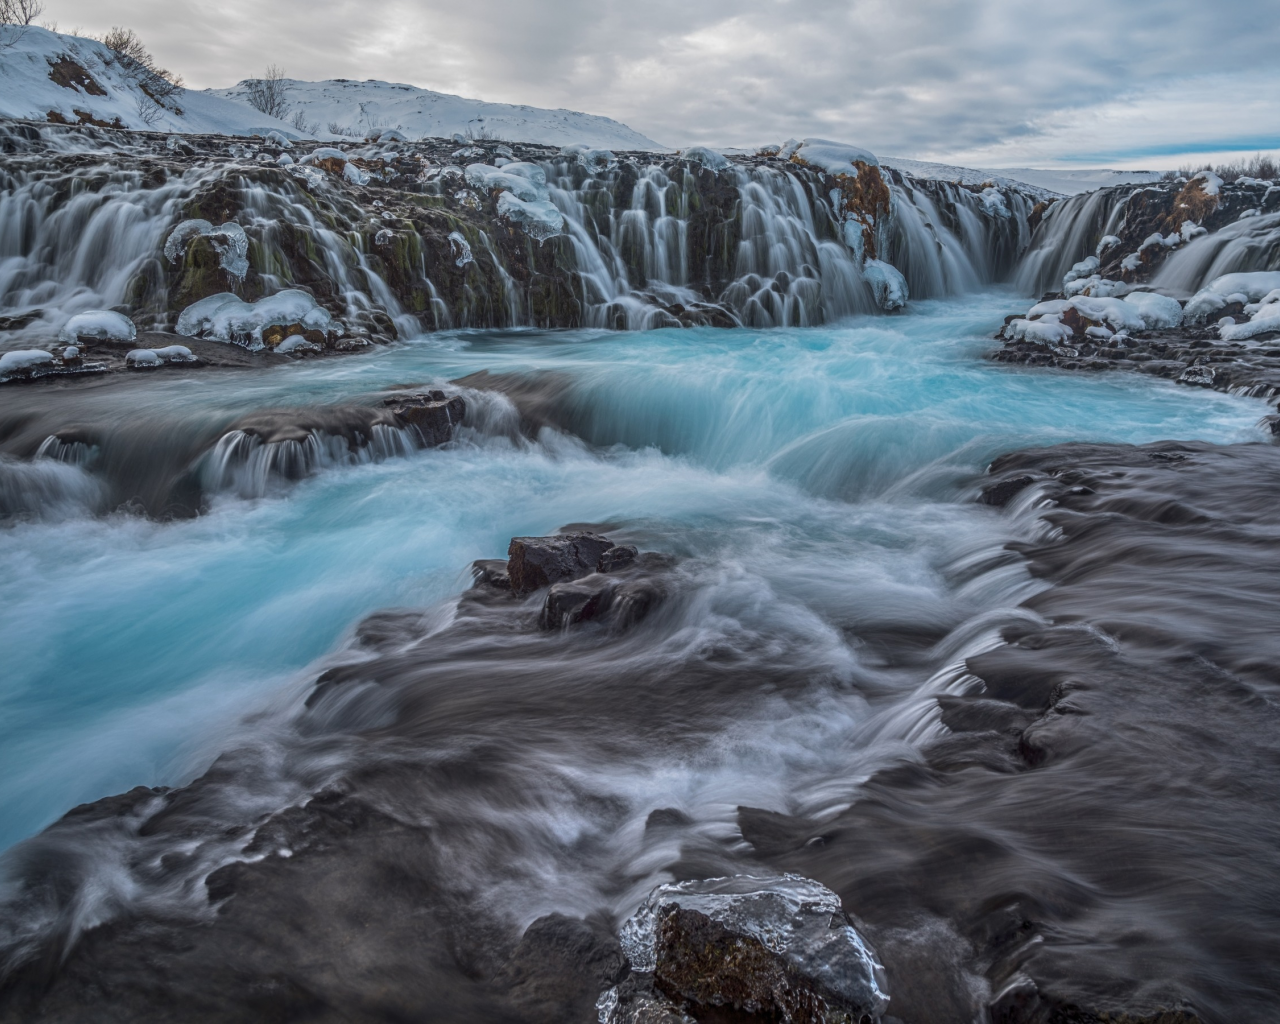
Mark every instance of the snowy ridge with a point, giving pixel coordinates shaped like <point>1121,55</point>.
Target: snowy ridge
<point>100,86</point>
<point>1049,183</point>
<point>360,107</point>
<point>80,80</point>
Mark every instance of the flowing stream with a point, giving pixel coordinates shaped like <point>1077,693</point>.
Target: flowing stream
<point>819,478</point>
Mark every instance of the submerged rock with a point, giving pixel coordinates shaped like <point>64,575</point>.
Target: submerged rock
<point>746,948</point>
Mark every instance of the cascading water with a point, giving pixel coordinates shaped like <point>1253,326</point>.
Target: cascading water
<point>645,241</point>
<point>1070,232</point>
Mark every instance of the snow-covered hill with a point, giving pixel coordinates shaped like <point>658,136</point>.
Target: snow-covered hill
<point>360,107</point>
<point>1054,182</point>
<point>47,76</point>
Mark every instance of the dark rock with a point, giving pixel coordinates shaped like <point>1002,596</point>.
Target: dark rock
<point>616,603</point>
<point>490,572</point>
<point>1000,494</point>
<point>432,414</point>
<point>535,562</point>
<point>617,557</point>
<point>559,968</point>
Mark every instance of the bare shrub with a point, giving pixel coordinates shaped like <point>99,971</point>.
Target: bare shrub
<point>305,127</point>
<point>20,12</point>
<point>1260,165</point>
<point>157,86</point>
<point>15,17</point>
<point>269,94</point>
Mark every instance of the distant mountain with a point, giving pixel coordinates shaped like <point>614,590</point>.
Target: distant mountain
<point>1056,182</point>
<point>360,107</point>
<point>48,76</point>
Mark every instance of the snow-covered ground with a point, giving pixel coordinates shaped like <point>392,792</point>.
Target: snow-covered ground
<point>106,91</point>
<point>359,107</point>
<point>98,85</point>
<point>1057,182</point>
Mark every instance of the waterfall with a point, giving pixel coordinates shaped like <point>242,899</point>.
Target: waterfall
<point>243,464</point>
<point>1070,231</point>
<point>1249,244</point>
<point>647,240</point>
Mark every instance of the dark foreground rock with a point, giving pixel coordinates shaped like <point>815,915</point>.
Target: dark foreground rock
<point>750,949</point>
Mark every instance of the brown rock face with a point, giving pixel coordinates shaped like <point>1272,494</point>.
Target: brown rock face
<point>70,75</point>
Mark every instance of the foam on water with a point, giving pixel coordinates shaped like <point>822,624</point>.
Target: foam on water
<point>814,476</point>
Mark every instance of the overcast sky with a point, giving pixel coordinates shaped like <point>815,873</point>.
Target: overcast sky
<point>998,83</point>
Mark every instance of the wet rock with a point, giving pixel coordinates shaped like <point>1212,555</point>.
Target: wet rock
<point>432,414</point>
<point>559,967</point>
<point>491,572</point>
<point>1000,494</point>
<point>535,562</point>
<point>599,597</point>
<point>618,557</point>
<point>745,948</point>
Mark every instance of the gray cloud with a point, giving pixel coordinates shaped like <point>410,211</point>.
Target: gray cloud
<point>995,81</point>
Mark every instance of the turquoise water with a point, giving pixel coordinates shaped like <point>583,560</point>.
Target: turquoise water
<point>824,474</point>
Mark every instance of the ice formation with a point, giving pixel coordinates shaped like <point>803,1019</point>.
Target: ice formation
<point>159,356</point>
<point>1243,287</point>
<point>887,282</point>
<point>794,917</point>
<point>709,158</point>
<point>23,360</point>
<point>103,324</point>
<point>1264,316</point>
<point>539,218</point>
<point>228,239</point>
<point>226,317</point>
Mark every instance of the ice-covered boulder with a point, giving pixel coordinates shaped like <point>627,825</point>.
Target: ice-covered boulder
<point>709,158</point>
<point>144,358</point>
<point>229,240</point>
<point>99,324</point>
<point>1229,288</point>
<point>539,218</point>
<point>227,317</point>
<point>24,362</point>
<point>504,179</point>
<point>779,948</point>
<point>887,283</point>
<point>1264,317</point>
<point>1158,312</point>
<point>836,158</point>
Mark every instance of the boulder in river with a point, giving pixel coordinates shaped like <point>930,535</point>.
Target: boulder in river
<point>536,562</point>
<point>777,949</point>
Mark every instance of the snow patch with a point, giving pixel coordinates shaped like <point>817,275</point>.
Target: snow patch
<point>836,158</point>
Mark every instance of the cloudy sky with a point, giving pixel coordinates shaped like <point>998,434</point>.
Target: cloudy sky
<point>990,83</point>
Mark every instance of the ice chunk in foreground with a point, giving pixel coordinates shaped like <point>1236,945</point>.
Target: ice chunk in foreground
<point>103,324</point>
<point>226,317</point>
